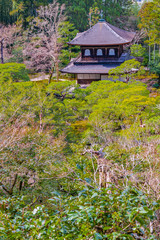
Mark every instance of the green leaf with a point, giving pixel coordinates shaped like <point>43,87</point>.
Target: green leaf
<point>98,236</point>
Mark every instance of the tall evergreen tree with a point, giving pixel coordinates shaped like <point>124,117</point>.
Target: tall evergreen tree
<point>5,8</point>
<point>27,9</point>
<point>77,12</point>
<point>113,9</point>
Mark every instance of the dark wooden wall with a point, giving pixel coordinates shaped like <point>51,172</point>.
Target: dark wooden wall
<point>105,50</point>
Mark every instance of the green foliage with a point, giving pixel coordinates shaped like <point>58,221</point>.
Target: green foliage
<point>29,110</point>
<point>114,10</point>
<point>137,50</point>
<point>125,69</point>
<point>155,66</point>
<point>99,214</point>
<point>135,8</point>
<point>67,32</point>
<point>77,11</point>
<point>119,104</point>
<point>153,125</point>
<point>94,14</point>
<point>26,10</point>
<point>150,17</point>
<point>17,55</point>
<point>51,138</point>
<point>14,72</point>
<point>60,144</point>
<point>5,7</point>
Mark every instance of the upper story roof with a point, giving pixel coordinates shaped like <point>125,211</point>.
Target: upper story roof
<point>102,34</point>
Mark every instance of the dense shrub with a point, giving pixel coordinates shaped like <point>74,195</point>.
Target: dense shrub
<point>59,137</point>
<point>13,71</point>
<point>92,214</point>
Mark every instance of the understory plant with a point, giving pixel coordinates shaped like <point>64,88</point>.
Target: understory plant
<point>110,213</point>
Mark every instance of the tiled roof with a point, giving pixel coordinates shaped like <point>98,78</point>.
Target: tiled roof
<point>101,68</point>
<point>102,34</point>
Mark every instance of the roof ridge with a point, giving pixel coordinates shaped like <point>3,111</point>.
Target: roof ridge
<point>102,33</point>
<point>85,32</point>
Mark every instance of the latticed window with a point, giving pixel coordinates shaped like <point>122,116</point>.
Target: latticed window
<point>112,52</point>
<point>87,52</point>
<point>99,52</point>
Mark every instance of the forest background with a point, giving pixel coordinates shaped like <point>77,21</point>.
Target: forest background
<point>78,163</point>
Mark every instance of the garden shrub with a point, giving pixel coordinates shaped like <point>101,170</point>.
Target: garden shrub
<point>15,72</point>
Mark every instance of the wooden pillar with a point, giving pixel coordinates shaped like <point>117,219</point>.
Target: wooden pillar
<point>118,51</point>
<point>2,59</point>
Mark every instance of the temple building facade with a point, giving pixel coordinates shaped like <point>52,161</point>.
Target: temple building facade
<point>102,48</point>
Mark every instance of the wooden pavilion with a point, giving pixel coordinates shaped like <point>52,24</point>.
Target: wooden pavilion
<point>102,48</point>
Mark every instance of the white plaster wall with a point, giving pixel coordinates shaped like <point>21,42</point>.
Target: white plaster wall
<point>89,76</point>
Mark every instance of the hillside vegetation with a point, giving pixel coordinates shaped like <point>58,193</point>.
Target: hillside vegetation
<point>79,163</point>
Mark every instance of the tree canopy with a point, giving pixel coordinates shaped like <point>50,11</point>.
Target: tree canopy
<point>150,17</point>
<point>77,11</point>
<point>54,141</point>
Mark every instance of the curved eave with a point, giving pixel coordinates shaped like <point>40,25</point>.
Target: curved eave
<point>80,72</point>
<point>88,72</point>
<point>89,69</point>
<point>98,44</point>
<point>63,71</point>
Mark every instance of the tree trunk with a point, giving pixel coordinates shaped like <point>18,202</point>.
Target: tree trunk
<point>2,58</point>
<point>10,191</point>
<point>104,177</point>
<point>50,75</point>
<point>154,52</point>
<point>149,53</point>
<point>57,69</point>
<point>159,80</point>
<point>90,20</point>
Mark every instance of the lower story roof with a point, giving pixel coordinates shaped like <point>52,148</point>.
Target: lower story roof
<point>101,68</point>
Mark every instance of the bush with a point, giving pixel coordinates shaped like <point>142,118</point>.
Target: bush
<point>137,50</point>
<point>93,214</point>
<point>156,85</point>
<point>17,55</point>
<point>15,72</point>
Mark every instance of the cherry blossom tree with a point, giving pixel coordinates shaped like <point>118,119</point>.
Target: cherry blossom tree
<point>44,45</point>
<point>7,38</point>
